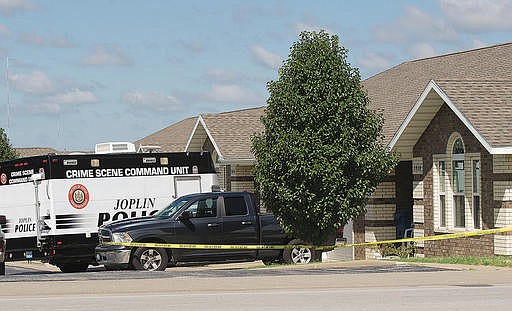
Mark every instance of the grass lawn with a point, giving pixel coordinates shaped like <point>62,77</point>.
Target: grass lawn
<point>499,261</point>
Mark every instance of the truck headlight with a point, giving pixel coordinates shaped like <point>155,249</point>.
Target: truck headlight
<point>122,237</point>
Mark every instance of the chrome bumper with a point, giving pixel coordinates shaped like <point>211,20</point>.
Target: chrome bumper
<point>108,255</point>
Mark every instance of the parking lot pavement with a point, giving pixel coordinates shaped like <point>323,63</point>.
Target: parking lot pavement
<point>37,271</point>
<point>45,267</point>
<point>32,265</point>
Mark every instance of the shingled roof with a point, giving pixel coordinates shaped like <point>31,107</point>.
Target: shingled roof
<point>486,104</point>
<point>230,133</point>
<point>395,91</point>
<point>34,151</point>
<point>172,138</point>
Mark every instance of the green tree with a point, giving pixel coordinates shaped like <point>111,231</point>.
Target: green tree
<point>7,152</point>
<point>321,155</point>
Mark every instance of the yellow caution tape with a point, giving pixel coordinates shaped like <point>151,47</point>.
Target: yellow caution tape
<point>254,247</point>
<point>437,237</point>
<point>208,246</point>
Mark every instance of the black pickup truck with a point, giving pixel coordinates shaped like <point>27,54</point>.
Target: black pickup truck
<point>227,218</point>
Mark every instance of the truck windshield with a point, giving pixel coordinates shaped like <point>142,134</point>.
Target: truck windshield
<point>172,208</point>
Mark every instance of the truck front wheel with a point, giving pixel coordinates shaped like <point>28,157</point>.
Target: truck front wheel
<point>298,255</point>
<point>150,259</point>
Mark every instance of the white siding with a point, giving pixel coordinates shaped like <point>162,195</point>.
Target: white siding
<point>502,190</point>
<point>502,163</point>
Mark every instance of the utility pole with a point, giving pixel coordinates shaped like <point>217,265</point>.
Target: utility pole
<point>8,94</point>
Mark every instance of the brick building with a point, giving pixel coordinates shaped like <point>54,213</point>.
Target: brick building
<point>447,117</point>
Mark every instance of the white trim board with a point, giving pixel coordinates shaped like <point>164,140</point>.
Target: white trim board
<point>200,120</point>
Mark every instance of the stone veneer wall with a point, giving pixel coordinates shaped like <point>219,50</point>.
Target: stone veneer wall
<point>392,196</point>
<point>238,178</point>
<point>377,224</point>
<point>434,141</point>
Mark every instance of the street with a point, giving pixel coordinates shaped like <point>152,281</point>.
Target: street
<point>374,298</point>
<point>327,286</point>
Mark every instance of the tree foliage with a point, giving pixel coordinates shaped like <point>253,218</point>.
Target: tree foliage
<point>321,155</point>
<point>7,152</point>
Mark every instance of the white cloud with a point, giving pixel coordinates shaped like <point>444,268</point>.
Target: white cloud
<point>154,101</point>
<point>416,26</point>
<point>478,16</point>
<point>35,82</point>
<point>55,103</point>
<point>300,27</point>
<point>266,58</point>
<point>104,56</point>
<point>476,44</point>
<point>73,97</point>
<point>4,31</point>
<point>374,61</point>
<point>422,50</point>
<point>58,41</point>
<point>44,108</point>
<point>216,74</point>
<point>231,93</point>
<point>193,46</point>
<point>8,7</point>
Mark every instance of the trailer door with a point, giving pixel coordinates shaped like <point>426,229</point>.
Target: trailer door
<point>186,185</point>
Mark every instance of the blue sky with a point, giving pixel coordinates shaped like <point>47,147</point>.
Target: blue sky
<point>83,72</point>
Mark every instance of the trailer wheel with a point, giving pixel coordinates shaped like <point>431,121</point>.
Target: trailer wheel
<point>150,259</point>
<point>73,267</point>
<point>298,255</point>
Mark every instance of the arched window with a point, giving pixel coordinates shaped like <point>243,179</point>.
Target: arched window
<point>458,182</point>
<point>458,147</point>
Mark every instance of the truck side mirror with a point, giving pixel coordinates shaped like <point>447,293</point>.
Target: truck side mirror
<point>185,215</point>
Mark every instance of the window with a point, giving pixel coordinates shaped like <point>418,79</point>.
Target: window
<point>203,208</point>
<point>442,193</point>
<point>235,206</point>
<point>458,182</point>
<point>476,194</point>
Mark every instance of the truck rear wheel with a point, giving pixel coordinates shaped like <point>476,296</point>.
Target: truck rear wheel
<point>150,259</point>
<point>73,267</point>
<point>298,255</point>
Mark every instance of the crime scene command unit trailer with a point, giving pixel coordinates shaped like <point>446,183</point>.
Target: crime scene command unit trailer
<point>54,204</point>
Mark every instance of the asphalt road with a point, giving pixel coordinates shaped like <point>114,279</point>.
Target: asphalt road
<point>374,298</point>
<point>351,286</point>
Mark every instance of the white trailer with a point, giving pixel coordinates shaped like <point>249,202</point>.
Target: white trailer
<point>54,204</point>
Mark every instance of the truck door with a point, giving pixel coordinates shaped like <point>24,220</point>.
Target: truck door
<point>239,224</point>
<point>186,185</point>
<point>201,225</point>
